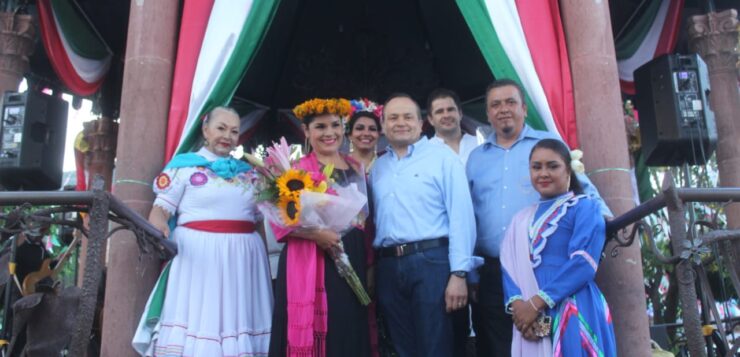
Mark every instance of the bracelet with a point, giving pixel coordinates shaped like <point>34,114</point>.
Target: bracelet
<point>533,305</point>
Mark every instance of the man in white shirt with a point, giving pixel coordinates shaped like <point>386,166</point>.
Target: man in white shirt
<point>444,114</point>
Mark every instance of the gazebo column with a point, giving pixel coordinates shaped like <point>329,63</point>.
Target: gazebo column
<point>601,132</point>
<point>145,98</point>
<point>17,36</point>
<point>714,37</point>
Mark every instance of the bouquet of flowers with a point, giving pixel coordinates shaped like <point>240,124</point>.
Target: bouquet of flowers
<point>290,198</point>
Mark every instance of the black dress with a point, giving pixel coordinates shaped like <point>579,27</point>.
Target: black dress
<point>347,321</point>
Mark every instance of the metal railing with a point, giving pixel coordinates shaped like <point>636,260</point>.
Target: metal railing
<point>690,253</point>
<point>102,208</point>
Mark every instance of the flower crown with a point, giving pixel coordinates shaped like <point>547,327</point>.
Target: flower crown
<point>575,161</point>
<point>318,106</point>
<point>366,105</point>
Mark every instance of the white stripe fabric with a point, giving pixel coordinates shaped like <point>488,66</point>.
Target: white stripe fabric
<point>90,70</point>
<point>584,254</point>
<point>224,27</point>
<point>646,51</point>
<point>505,20</point>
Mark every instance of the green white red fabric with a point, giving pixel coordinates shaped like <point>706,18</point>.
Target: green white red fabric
<point>530,50</point>
<point>75,50</point>
<point>217,43</point>
<point>652,34</point>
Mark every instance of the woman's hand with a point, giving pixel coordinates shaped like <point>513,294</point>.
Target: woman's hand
<point>524,315</point>
<point>324,238</point>
<point>529,335</point>
<point>158,217</point>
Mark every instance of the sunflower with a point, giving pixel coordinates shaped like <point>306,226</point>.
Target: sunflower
<point>290,209</point>
<point>291,182</point>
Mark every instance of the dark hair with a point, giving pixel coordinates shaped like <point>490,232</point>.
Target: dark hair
<point>442,93</point>
<point>562,150</point>
<point>361,114</point>
<point>504,82</point>
<point>402,95</point>
<point>308,119</point>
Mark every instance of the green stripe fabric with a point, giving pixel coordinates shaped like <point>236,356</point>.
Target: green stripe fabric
<point>476,15</point>
<point>77,31</point>
<point>155,307</point>
<point>630,41</point>
<point>250,38</point>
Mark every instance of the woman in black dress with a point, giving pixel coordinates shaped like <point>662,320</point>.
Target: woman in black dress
<point>299,327</point>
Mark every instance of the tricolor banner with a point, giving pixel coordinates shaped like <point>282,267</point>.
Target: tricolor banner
<point>653,33</point>
<point>218,40</point>
<point>76,51</point>
<point>524,40</point>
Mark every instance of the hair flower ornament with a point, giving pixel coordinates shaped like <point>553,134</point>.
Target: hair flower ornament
<point>319,106</point>
<point>366,105</point>
<point>575,161</point>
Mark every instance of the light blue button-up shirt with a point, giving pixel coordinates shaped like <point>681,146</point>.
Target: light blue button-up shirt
<point>500,186</point>
<point>424,195</point>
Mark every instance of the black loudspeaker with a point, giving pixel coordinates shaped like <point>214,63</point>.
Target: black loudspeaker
<point>676,124</point>
<point>33,127</point>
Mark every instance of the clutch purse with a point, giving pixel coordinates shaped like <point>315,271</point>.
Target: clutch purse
<point>542,326</point>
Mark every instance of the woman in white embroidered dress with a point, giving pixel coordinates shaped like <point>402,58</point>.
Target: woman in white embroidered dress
<point>218,296</point>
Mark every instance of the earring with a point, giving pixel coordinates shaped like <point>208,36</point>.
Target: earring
<point>351,146</point>
<point>307,146</point>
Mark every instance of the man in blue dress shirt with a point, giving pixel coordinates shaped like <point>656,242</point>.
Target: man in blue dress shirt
<point>498,174</point>
<point>425,233</point>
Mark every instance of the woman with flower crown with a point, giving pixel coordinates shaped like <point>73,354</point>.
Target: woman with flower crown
<point>363,131</point>
<point>549,257</point>
<point>316,312</point>
<point>214,298</point>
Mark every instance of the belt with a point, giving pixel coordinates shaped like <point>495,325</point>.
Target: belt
<point>222,226</point>
<point>413,247</point>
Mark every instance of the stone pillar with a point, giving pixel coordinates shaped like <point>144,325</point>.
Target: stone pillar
<point>714,37</point>
<point>601,132</point>
<point>17,35</point>
<point>101,136</point>
<point>145,98</point>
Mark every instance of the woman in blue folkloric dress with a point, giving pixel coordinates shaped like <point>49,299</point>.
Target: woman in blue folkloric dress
<point>550,256</point>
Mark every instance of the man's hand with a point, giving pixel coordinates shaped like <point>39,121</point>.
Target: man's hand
<point>456,294</point>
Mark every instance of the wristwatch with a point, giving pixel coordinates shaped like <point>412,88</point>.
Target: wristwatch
<point>460,274</point>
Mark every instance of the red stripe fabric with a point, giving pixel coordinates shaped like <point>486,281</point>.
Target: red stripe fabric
<point>81,178</point>
<point>222,226</point>
<point>57,54</point>
<point>543,30</point>
<point>195,17</point>
<point>669,34</point>
<point>667,40</point>
<point>627,87</point>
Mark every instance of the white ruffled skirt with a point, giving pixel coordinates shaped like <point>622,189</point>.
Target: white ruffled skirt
<point>218,300</point>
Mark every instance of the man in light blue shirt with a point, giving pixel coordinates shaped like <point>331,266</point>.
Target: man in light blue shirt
<point>425,233</point>
<point>500,185</point>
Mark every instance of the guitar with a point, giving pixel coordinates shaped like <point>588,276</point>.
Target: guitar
<point>30,281</point>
